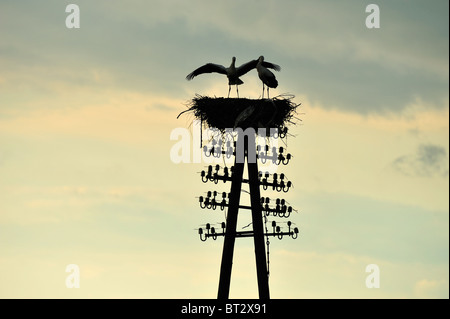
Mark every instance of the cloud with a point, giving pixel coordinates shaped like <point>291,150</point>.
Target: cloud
<point>433,289</point>
<point>325,49</point>
<point>429,160</point>
<point>162,107</point>
<point>341,275</point>
<point>336,59</point>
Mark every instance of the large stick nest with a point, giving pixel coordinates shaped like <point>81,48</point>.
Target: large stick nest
<point>225,113</point>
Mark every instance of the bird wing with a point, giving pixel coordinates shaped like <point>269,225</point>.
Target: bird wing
<point>269,79</point>
<point>207,68</point>
<point>269,65</point>
<point>244,68</point>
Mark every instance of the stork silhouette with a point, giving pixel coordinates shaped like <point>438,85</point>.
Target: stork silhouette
<point>231,72</point>
<point>266,76</point>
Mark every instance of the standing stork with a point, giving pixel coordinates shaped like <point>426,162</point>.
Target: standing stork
<point>267,77</point>
<point>231,72</point>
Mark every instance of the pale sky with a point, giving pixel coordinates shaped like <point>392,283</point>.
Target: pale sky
<point>86,176</point>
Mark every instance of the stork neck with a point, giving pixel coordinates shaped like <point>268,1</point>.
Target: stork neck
<point>232,66</point>
<point>259,64</point>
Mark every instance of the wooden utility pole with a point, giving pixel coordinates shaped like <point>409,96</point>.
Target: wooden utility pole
<point>246,153</point>
<point>257,221</point>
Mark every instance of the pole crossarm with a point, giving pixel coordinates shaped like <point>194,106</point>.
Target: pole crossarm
<point>279,210</point>
<point>250,233</point>
<point>278,182</point>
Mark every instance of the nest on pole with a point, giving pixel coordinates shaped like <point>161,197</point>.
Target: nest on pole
<point>230,113</point>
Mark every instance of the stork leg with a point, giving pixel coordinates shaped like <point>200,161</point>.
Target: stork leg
<point>268,93</point>
<point>229,89</point>
<point>237,90</point>
<point>263,92</point>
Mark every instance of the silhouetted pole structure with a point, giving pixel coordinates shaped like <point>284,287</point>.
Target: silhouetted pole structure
<point>230,235</point>
<point>260,251</point>
<point>241,114</point>
<point>258,231</point>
